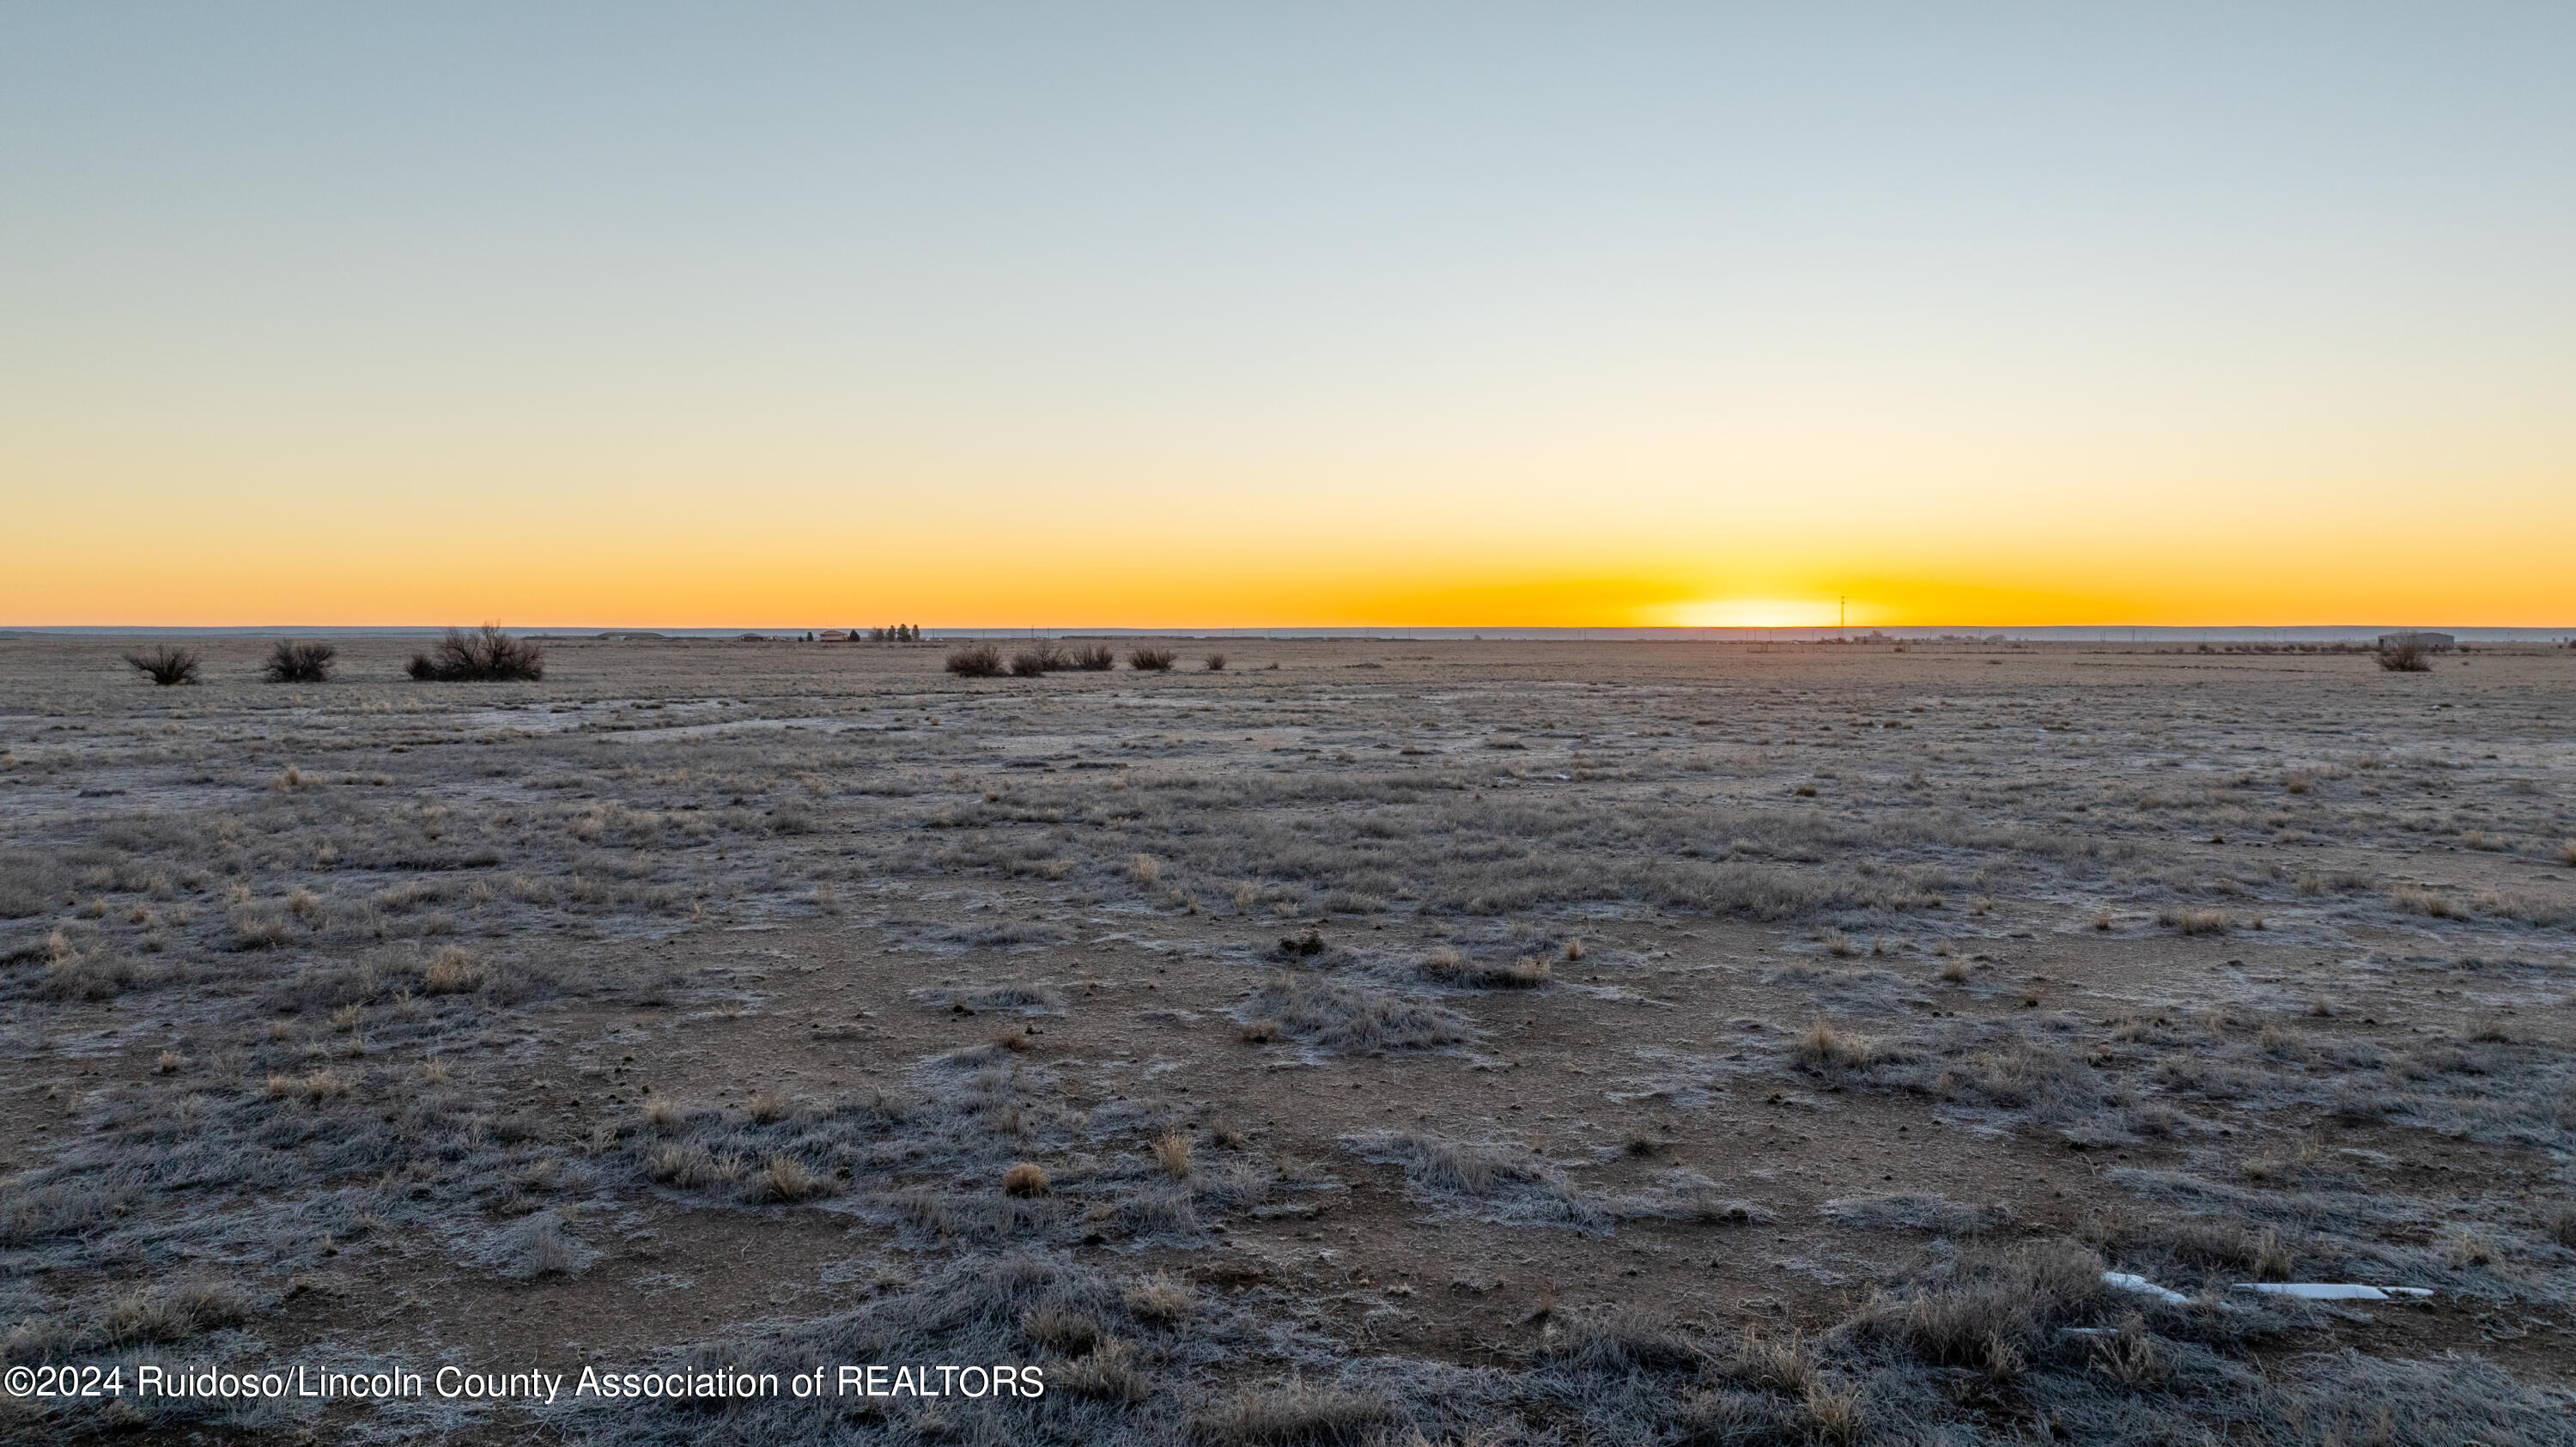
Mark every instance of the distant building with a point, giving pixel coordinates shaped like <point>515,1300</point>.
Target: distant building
<point>2429,642</point>
<point>836,635</point>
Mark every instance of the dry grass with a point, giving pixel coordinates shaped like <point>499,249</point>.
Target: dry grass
<point>1292,1413</point>
<point>1062,1329</point>
<point>172,1312</point>
<point>1026,1178</point>
<point>454,970</point>
<point>788,1180</point>
<point>1449,967</point>
<point>1821,1046</point>
<point>1108,1374</point>
<point>1161,1299</point>
<point>1151,660</point>
<point>2196,921</point>
<point>1172,1153</point>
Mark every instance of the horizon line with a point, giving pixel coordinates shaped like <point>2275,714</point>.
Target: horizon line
<point>1390,631</point>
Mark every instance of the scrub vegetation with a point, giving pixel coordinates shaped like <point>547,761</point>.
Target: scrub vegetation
<point>1351,1042</point>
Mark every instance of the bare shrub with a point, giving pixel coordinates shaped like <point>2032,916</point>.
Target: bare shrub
<point>293,662</point>
<point>1025,1179</point>
<point>482,655</point>
<point>1216,663</point>
<point>976,660</point>
<point>1097,658</point>
<point>1151,660</point>
<point>167,666</point>
<point>2409,657</point>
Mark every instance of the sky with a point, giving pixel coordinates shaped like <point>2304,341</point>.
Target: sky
<point>1229,315</point>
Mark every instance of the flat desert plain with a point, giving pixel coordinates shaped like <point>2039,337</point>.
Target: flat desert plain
<point>1456,1042</point>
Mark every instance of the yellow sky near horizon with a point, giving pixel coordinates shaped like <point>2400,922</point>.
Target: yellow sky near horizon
<point>802,552</point>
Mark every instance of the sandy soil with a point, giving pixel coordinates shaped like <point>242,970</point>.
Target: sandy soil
<point>1485,1041</point>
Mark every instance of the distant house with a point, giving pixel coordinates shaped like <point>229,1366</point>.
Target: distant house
<point>836,635</point>
<point>2429,642</point>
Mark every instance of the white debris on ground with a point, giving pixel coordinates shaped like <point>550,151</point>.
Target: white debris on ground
<point>2336,1290</point>
<point>2143,1287</point>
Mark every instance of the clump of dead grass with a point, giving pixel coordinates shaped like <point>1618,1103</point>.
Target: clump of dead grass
<point>1823,1046</point>
<point>453,970</point>
<point>1344,1015</point>
<point>1161,1299</point>
<point>1449,967</point>
<point>1291,1413</point>
<point>2196,921</point>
